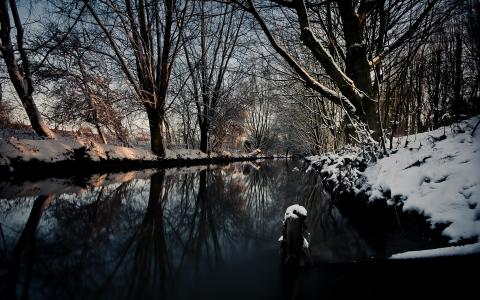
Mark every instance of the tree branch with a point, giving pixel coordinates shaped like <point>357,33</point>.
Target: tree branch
<point>308,79</point>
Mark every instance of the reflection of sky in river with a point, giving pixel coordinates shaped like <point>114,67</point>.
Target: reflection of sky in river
<point>175,229</point>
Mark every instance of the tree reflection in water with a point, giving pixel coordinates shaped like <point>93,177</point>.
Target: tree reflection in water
<point>151,266</point>
<point>25,249</point>
<point>157,237</point>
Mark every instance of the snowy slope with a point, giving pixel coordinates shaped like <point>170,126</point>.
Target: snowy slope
<point>447,251</point>
<point>437,174</point>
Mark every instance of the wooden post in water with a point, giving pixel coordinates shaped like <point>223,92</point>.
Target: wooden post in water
<point>294,240</point>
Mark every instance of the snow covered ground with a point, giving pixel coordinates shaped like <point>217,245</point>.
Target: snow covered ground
<point>439,252</point>
<point>64,148</point>
<point>341,170</point>
<point>68,148</point>
<point>436,173</point>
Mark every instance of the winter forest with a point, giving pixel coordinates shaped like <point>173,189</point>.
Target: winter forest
<point>301,77</point>
<point>239,149</point>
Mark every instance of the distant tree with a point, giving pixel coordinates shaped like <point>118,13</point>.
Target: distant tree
<point>209,47</point>
<point>260,111</point>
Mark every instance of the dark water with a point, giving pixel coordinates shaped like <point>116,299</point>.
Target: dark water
<point>201,233</point>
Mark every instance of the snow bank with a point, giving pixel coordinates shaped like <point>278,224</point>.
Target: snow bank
<point>187,154</point>
<point>341,170</point>
<point>437,174</point>
<point>439,252</point>
<point>67,148</point>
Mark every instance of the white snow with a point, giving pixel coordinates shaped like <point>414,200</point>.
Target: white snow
<point>439,252</point>
<point>63,148</point>
<point>305,243</point>
<point>439,178</point>
<point>255,152</point>
<point>339,170</point>
<point>294,211</point>
<point>436,173</point>
<point>187,154</point>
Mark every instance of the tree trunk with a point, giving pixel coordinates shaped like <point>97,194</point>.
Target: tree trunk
<point>372,119</point>
<point>418,114</point>
<point>36,120</point>
<point>20,76</point>
<point>358,68</point>
<point>152,31</point>
<point>155,121</point>
<point>204,137</point>
<point>436,92</point>
<point>457,107</point>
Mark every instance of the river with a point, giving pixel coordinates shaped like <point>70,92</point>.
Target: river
<point>206,232</point>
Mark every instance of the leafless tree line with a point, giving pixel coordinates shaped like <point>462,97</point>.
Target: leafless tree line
<point>290,75</point>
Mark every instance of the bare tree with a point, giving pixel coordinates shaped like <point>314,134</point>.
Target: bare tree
<point>82,81</point>
<point>19,73</point>
<point>347,44</point>
<point>429,83</point>
<point>149,32</point>
<point>209,57</point>
<point>260,115</point>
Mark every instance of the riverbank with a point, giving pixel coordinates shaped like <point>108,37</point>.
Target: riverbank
<point>66,156</point>
<point>435,174</point>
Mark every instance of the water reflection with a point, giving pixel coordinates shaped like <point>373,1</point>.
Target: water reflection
<point>25,249</point>
<point>166,234</point>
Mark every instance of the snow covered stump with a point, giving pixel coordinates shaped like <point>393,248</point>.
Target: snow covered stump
<point>295,249</point>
